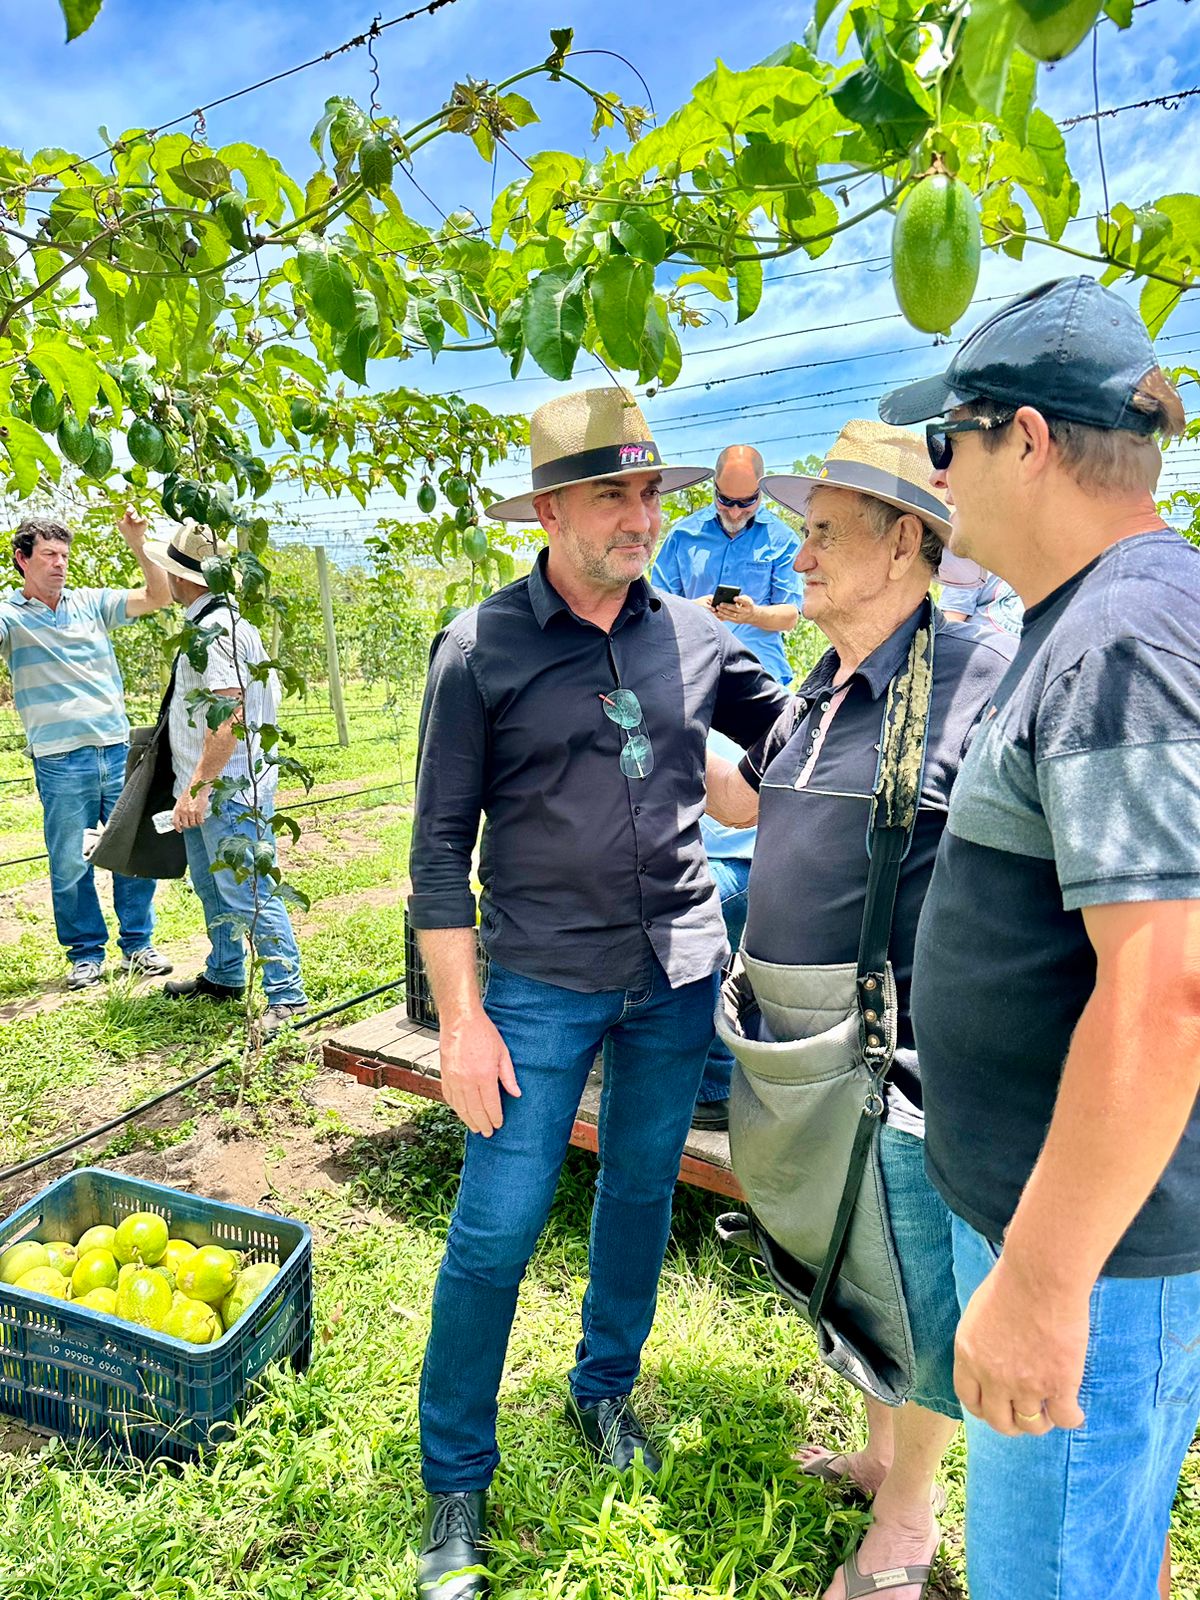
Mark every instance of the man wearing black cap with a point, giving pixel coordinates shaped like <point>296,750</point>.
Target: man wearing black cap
<point>1056,984</point>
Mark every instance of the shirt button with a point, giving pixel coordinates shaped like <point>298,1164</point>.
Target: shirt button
<point>637,811</point>
<point>642,868</point>
<point>647,926</point>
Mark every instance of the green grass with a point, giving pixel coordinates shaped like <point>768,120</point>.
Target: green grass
<point>318,1492</point>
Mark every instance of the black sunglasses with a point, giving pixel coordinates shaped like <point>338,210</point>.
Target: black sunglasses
<point>939,439</point>
<point>731,504</point>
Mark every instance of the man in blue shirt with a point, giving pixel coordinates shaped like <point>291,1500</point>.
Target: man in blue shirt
<point>67,689</point>
<point>739,544</point>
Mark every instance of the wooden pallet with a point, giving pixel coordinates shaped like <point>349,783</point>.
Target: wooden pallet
<point>389,1051</point>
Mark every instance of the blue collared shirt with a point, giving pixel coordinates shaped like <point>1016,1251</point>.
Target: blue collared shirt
<point>66,683</point>
<point>698,554</point>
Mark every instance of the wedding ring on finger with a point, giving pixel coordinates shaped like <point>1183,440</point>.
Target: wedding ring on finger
<point>1027,1416</point>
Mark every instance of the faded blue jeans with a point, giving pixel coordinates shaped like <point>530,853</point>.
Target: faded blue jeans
<point>78,790</point>
<point>731,874</point>
<point>1082,1514</point>
<point>230,907</point>
<point>654,1040</point>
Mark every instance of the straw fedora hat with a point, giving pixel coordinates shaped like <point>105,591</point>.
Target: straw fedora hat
<point>889,464</point>
<point>186,551</point>
<point>595,433</point>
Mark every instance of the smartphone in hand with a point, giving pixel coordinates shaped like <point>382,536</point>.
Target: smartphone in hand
<point>725,593</point>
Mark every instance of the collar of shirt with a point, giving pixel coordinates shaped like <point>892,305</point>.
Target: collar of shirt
<point>879,668</point>
<point>547,602</point>
<point>198,605</point>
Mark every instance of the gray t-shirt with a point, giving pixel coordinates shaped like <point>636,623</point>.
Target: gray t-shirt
<point>1082,788</point>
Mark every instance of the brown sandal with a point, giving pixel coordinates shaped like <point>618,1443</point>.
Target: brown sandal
<point>846,1482</point>
<point>859,1583</point>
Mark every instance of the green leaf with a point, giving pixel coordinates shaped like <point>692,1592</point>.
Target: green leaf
<point>75,373</point>
<point>1019,95</point>
<point>654,339</point>
<point>429,321</point>
<point>765,164</point>
<point>705,278</point>
<point>1157,303</point>
<point>280,356</point>
<point>989,39</point>
<point>641,235</point>
<point>1120,12</point>
<point>748,276</point>
<point>27,450</point>
<point>519,109</point>
<point>671,364</point>
<point>360,341</point>
<point>553,320</point>
<point>204,176</point>
<point>79,15</point>
<point>824,10</point>
<point>327,280</point>
<point>619,289</point>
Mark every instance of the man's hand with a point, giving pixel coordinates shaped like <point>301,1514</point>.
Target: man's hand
<point>1019,1354</point>
<point>475,1065</point>
<point>191,809</point>
<point>706,601</point>
<point>740,609</point>
<point>133,528</point>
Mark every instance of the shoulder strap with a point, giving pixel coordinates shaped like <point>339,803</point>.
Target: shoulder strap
<point>893,817</point>
<point>164,709</point>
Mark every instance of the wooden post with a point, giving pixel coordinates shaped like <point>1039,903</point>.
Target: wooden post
<point>331,655</point>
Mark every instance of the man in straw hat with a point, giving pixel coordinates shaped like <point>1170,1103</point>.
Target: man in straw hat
<point>874,541</point>
<point>1056,988</point>
<point>68,692</point>
<point>571,710</point>
<point>225,787</point>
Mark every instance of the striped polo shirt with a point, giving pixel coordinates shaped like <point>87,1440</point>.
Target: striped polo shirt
<point>66,683</point>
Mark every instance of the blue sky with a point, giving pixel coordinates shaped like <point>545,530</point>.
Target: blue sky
<point>144,62</point>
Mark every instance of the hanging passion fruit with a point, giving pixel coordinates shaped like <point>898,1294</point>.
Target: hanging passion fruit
<point>76,440</point>
<point>426,498</point>
<point>935,252</point>
<point>1051,29</point>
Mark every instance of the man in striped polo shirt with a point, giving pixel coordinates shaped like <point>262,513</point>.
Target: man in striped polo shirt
<point>68,692</point>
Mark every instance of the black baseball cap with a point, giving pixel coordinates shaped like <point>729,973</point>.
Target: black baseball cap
<point>1071,348</point>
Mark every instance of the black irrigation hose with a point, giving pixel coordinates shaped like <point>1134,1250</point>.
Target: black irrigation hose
<point>298,805</point>
<point>167,1094</point>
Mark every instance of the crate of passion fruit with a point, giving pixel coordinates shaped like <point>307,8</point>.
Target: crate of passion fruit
<point>138,1317</point>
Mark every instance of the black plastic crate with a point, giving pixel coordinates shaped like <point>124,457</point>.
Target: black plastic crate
<point>418,997</point>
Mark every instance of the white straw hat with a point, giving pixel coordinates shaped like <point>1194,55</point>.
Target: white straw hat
<point>186,551</point>
<point>889,464</point>
<point>595,433</point>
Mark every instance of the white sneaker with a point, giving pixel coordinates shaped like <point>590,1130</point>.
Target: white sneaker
<point>85,974</point>
<point>147,963</point>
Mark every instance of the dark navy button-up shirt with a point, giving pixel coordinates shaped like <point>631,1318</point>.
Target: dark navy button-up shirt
<point>583,869</point>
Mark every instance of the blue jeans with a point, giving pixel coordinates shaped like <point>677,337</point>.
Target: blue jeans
<point>732,877</point>
<point>78,790</point>
<point>232,909</point>
<point>920,1221</point>
<point>1084,1513</point>
<point>654,1039</point>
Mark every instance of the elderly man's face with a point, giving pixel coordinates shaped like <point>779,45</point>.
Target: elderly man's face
<point>604,532</point>
<point>737,480</point>
<point>845,566</point>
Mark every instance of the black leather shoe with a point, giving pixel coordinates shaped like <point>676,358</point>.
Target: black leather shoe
<point>711,1117</point>
<point>450,1540</point>
<point>613,1431</point>
<point>202,988</point>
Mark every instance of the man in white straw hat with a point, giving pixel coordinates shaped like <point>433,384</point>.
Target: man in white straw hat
<point>571,711</point>
<point>68,692</point>
<point>224,786</point>
<point>875,533</point>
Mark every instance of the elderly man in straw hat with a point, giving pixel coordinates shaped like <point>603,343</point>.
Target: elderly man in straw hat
<point>224,786</point>
<point>874,540</point>
<point>571,711</point>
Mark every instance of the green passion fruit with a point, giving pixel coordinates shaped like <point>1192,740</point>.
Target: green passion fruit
<point>1051,29</point>
<point>935,252</point>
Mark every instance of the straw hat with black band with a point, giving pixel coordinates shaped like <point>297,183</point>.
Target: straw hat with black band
<point>595,433</point>
<point>185,553</point>
<point>889,464</point>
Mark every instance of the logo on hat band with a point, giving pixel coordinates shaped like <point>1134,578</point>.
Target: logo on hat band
<point>605,461</point>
